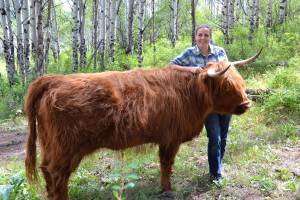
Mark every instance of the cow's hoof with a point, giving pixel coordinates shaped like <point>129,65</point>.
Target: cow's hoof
<point>167,195</point>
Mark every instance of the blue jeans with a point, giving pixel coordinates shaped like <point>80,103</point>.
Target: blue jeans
<point>216,126</point>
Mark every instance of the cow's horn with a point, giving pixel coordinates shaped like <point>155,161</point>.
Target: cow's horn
<point>212,73</point>
<point>249,60</point>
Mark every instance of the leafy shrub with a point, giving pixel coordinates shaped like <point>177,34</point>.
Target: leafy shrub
<point>11,99</point>
<point>17,189</point>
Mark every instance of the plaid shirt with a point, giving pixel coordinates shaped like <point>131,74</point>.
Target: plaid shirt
<point>192,56</point>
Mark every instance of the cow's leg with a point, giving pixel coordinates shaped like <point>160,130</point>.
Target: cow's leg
<point>47,176</point>
<point>167,156</point>
<point>60,172</point>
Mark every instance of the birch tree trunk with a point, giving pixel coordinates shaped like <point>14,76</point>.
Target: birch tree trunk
<point>55,46</point>
<point>153,30</point>
<point>225,21</point>
<point>75,33</point>
<point>282,11</point>
<point>26,38</point>
<point>6,44</point>
<point>112,30</point>
<point>193,6</point>
<point>40,39</point>
<point>256,15</point>
<point>95,30</point>
<point>82,47</point>
<point>141,32</point>
<point>11,35</point>
<point>48,34</point>
<point>174,14</point>
<point>102,33</point>
<point>20,53</point>
<point>230,20</point>
<point>33,27</point>
<point>254,18</point>
<point>269,15</point>
<point>129,28</point>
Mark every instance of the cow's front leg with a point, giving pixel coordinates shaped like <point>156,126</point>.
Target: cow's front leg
<point>167,156</point>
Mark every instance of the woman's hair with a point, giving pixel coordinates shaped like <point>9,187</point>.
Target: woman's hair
<point>205,26</point>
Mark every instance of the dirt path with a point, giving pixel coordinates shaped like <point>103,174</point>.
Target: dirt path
<point>12,141</point>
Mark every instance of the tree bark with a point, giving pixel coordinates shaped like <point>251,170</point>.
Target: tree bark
<point>141,32</point>
<point>95,30</point>
<point>112,28</point>
<point>102,33</point>
<point>193,7</point>
<point>20,48</point>
<point>55,45</point>
<point>82,47</point>
<point>129,29</point>
<point>174,11</point>
<point>269,16</point>
<point>40,66</point>
<point>6,44</point>
<point>11,35</point>
<point>75,33</point>
<point>48,34</point>
<point>282,11</point>
<point>33,27</point>
<point>26,19</point>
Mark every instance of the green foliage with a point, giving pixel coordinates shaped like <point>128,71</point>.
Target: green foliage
<point>284,174</point>
<point>17,189</point>
<point>11,99</point>
<point>266,184</point>
<point>121,181</point>
<point>284,98</point>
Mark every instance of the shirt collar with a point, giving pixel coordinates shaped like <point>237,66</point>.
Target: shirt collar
<point>198,52</point>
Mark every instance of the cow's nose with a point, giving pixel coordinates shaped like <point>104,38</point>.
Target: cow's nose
<point>245,104</point>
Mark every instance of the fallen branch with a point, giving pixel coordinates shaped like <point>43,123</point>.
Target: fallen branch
<point>256,94</point>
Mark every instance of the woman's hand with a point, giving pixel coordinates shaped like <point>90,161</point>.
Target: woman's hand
<point>193,69</point>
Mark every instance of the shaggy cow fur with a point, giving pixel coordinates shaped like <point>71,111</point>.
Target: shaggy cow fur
<point>75,115</point>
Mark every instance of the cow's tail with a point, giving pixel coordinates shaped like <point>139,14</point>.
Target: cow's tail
<point>34,93</point>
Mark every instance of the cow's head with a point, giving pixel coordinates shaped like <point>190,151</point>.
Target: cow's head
<point>226,87</point>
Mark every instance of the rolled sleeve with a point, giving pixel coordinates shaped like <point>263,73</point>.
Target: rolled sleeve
<point>182,59</point>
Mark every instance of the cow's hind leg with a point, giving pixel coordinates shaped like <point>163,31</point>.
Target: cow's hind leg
<point>60,171</point>
<point>167,156</point>
<point>47,176</point>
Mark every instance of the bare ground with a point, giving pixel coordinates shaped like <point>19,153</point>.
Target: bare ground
<point>12,147</point>
<point>12,141</point>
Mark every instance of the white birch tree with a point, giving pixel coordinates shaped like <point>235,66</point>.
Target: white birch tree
<point>129,27</point>
<point>174,16</point>
<point>11,35</point>
<point>33,27</point>
<point>112,29</point>
<point>193,7</point>
<point>95,30</point>
<point>26,22</point>
<point>82,47</point>
<point>6,44</point>
<point>282,11</point>
<point>141,32</point>
<point>269,20</point>
<point>40,65</point>
<point>102,33</point>
<point>75,34</point>
<point>20,48</point>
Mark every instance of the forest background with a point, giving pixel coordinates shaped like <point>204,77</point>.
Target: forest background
<point>71,36</point>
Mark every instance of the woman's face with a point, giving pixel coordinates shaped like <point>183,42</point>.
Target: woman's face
<point>203,37</point>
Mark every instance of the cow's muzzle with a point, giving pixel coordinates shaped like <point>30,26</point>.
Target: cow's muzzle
<point>243,107</point>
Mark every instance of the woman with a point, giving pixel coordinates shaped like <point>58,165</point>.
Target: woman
<point>216,124</point>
